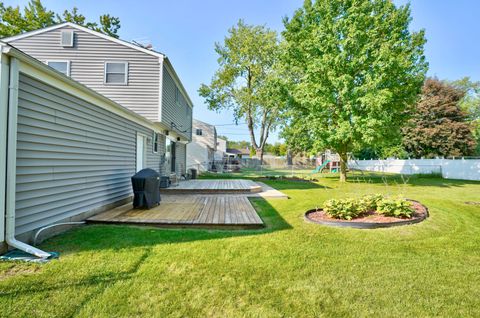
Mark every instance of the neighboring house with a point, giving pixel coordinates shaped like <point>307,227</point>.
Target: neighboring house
<point>221,149</point>
<point>137,78</point>
<point>238,153</point>
<point>201,151</point>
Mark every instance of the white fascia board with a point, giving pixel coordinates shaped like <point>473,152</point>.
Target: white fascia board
<point>82,28</point>
<point>160,89</point>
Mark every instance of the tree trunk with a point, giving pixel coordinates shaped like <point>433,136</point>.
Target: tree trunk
<point>343,166</point>
<point>259,152</point>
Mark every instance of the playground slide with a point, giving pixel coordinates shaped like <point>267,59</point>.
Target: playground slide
<point>320,168</point>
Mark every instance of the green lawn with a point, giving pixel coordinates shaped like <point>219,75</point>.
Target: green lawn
<point>290,269</point>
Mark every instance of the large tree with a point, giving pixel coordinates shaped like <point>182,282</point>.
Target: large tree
<point>355,69</point>
<point>36,16</point>
<point>439,127</point>
<point>247,82</point>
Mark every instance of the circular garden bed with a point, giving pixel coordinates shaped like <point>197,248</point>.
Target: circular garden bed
<point>370,219</point>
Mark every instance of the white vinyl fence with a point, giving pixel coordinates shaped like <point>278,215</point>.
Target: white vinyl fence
<point>463,169</point>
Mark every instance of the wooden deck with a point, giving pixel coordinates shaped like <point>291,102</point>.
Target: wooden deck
<point>214,187</point>
<point>188,211</point>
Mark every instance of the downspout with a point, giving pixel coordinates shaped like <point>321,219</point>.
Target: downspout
<point>12,164</point>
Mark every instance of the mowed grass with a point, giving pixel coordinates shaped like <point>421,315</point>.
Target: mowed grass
<point>290,269</point>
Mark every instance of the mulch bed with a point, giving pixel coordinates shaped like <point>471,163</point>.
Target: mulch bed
<point>370,219</point>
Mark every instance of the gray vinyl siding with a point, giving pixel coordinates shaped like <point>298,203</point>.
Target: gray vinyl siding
<point>179,113</point>
<point>87,62</point>
<point>72,156</point>
<point>181,158</point>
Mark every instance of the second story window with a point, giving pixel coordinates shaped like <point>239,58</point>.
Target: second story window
<point>116,73</point>
<point>199,132</point>
<point>177,96</point>
<point>61,66</point>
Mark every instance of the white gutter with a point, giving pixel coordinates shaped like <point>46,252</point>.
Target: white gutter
<point>12,164</point>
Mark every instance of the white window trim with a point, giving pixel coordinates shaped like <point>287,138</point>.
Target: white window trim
<point>125,83</point>
<point>145,154</point>
<point>60,61</point>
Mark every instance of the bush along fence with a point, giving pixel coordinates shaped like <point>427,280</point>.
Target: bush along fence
<point>463,169</point>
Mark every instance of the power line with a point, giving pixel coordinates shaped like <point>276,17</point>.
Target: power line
<point>230,124</point>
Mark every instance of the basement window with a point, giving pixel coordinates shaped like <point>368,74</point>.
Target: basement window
<point>116,73</point>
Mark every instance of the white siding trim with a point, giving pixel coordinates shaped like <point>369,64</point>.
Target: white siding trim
<point>160,89</point>
<point>73,25</point>
<point>4,78</point>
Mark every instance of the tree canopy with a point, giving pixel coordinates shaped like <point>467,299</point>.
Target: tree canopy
<point>439,127</point>
<point>246,80</point>
<point>36,16</point>
<point>355,69</point>
<point>471,105</point>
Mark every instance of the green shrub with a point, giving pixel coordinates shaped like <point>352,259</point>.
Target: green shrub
<point>369,202</point>
<point>396,207</point>
<point>348,209</point>
<point>345,209</point>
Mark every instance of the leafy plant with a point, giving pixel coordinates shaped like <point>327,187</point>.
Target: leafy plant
<point>345,209</point>
<point>396,207</point>
<point>351,208</point>
<point>370,202</point>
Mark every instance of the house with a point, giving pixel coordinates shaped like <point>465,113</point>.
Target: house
<point>140,79</point>
<point>71,138</point>
<point>201,151</point>
<point>221,149</point>
<point>238,153</point>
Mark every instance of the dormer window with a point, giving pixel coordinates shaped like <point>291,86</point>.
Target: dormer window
<point>67,38</point>
<point>61,66</point>
<point>116,73</point>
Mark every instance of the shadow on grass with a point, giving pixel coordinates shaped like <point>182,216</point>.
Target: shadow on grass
<point>118,237</point>
<point>98,237</point>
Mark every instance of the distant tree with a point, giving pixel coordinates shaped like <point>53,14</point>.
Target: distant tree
<point>36,16</point>
<point>471,104</point>
<point>355,68</point>
<point>238,144</point>
<point>438,126</point>
<point>246,80</point>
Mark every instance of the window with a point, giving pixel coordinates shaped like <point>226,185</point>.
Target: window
<point>116,73</point>
<point>177,96</point>
<point>67,38</point>
<point>61,66</point>
<point>156,139</point>
<point>198,132</point>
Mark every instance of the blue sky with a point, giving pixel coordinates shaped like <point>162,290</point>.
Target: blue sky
<point>187,30</point>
